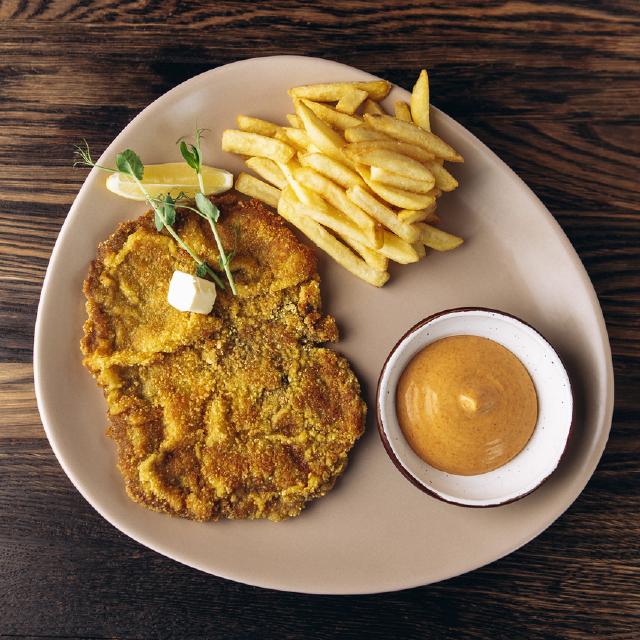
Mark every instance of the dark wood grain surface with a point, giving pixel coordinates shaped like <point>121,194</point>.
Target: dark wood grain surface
<point>553,88</point>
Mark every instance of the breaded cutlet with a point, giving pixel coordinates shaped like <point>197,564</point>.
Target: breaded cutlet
<point>235,414</point>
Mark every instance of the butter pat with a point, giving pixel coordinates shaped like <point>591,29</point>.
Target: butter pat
<point>191,293</point>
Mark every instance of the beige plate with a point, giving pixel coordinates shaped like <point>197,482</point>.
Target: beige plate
<point>374,532</point>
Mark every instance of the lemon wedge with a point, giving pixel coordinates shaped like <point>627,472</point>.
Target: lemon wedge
<point>173,178</point>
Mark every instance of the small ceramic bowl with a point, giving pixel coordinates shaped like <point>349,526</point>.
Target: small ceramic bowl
<point>524,473</point>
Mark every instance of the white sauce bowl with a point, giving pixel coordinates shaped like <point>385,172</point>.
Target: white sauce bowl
<point>543,452</point>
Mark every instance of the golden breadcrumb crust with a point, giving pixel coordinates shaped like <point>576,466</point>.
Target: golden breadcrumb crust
<point>235,414</point>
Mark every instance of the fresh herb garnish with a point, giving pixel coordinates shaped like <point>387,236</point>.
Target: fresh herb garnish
<point>231,254</point>
<point>128,163</point>
<point>206,207</point>
<point>192,155</point>
<point>191,152</point>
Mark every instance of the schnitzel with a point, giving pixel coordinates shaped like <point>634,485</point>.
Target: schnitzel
<point>235,414</point>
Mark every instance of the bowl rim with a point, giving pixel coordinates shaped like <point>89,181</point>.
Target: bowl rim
<point>387,445</point>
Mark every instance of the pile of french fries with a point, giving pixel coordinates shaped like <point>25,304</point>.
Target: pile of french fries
<point>359,183</point>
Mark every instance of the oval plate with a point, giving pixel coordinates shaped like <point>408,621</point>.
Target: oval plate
<point>374,532</point>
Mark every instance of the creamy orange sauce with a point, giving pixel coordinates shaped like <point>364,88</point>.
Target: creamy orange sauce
<point>466,405</point>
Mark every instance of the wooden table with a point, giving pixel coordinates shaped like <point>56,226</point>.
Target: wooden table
<point>552,87</point>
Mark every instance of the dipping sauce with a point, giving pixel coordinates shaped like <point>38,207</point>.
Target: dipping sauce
<point>466,405</point>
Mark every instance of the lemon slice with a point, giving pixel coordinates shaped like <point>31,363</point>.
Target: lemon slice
<point>173,178</point>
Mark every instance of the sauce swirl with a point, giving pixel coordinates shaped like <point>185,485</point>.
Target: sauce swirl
<point>466,405</point>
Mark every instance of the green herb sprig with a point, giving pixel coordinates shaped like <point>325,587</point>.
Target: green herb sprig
<point>128,163</point>
<point>192,154</point>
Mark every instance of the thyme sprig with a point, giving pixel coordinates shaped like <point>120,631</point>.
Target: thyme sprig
<point>128,163</point>
<point>192,154</point>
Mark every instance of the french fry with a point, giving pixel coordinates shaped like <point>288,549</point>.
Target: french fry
<point>258,189</point>
<point>394,196</point>
<point>420,101</point>
<point>254,144</point>
<point>397,249</point>
<point>362,133</point>
<point>402,182</point>
<point>337,197</point>
<point>377,89</point>
<point>298,137</point>
<point>371,256</point>
<point>391,161</point>
<point>363,188</point>
<point>330,92</point>
<point>406,149</point>
<point>256,125</point>
<point>372,107</point>
<point>283,137</point>
<point>268,170</point>
<point>419,248</point>
<point>330,218</point>
<point>320,133</point>
<point>332,169</point>
<point>323,92</point>
<point>303,194</point>
<point>444,180</point>
<point>351,100</point>
<point>380,231</point>
<point>402,111</point>
<point>400,197</point>
<point>419,215</point>
<point>333,118</point>
<point>381,213</point>
<point>409,132</point>
<point>331,245</point>
<point>437,239</point>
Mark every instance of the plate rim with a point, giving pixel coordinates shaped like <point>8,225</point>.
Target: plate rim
<point>398,584</point>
